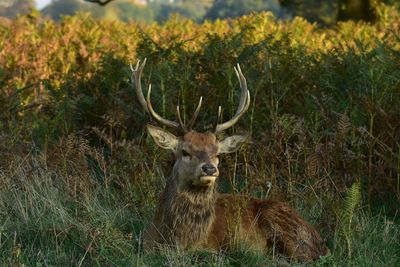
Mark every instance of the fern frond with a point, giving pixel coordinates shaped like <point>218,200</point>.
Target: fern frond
<point>344,126</point>
<point>351,202</point>
<point>348,211</point>
<point>312,164</point>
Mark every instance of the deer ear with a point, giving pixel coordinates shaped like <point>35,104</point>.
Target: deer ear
<point>163,138</point>
<point>231,144</point>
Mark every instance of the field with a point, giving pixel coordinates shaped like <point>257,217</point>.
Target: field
<point>79,177</point>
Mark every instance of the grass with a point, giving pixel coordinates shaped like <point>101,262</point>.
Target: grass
<point>44,222</point>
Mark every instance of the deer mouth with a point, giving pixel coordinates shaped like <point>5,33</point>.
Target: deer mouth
<point>207,180</point>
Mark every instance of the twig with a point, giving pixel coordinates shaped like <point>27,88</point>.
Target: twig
<point>88,248</point>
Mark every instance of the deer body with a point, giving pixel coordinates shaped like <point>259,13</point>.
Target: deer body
<point>191,214</point>
<point>263,224</point>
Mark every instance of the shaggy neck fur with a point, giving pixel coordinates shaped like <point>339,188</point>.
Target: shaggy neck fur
<point>187,213</point>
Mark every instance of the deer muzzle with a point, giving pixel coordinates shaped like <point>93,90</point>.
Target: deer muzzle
<point>209,174</point>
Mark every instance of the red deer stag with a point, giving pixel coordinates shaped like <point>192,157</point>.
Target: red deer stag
<point>190,212</point>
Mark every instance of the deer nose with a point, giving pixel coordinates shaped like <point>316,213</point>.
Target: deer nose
<point>209,169</point>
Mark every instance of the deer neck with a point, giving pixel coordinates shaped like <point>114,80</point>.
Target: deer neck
<point>187,213</point>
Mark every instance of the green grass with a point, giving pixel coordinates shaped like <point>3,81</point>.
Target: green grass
<point>44,223</point>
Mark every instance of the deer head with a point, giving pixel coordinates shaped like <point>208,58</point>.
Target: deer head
<point>196,153</point>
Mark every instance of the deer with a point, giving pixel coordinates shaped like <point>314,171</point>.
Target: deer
<point>191,214</point>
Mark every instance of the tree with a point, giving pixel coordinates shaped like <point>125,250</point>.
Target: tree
<point>234,8</point>
<point>127,11</point>
<point>343,10</point>
<point>193,10</point>
<point>322,12</point>
<point>57,8</point>
<point>356,10</point>
<point>61,7</point>
<point>11,8</point>
<point>160,10</point>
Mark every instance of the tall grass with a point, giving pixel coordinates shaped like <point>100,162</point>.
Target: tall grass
<point>79,178</point>
<point>43,223</point>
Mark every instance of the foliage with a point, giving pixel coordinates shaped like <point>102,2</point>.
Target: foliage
<point>321,12</point>
<point>11,8</point>
<point>324,13</point>
<point>356,10</point>
<point>230,8</point>
<point>58,8</point>
<point>79,178</point>
<point>125,10</point>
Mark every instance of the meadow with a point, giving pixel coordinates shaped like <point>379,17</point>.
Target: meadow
<point>79,177</point>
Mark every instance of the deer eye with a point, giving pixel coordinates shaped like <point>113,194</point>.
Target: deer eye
<point>185,153</point>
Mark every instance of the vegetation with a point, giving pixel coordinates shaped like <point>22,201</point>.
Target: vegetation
<point>126,10</point>
<point>11,8</point>
<point>230,8</point>
<point>322,12</point>
<point>79,178</point>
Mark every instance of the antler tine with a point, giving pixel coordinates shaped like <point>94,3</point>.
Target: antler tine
<point>146,103</point>
<point>219,113</point>
<point>218,118</point>
<point>244,102</point>
<point>195,114</point>
<point>157,117</point>
<point>243,84</point>
<point>136,76</point>
<point>178,114</point>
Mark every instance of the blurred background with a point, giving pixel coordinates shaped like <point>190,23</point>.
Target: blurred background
<point>323,12</point>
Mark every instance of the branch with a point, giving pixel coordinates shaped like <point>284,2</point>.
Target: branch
<point>100,2</point>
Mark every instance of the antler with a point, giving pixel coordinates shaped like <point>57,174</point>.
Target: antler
<point>243,104</point>
<point>146,103</point>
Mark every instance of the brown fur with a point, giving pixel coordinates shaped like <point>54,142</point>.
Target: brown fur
<point>267,224</point>
<point>182,218</point>
<point>192,215</point>
<point>200,140</point>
